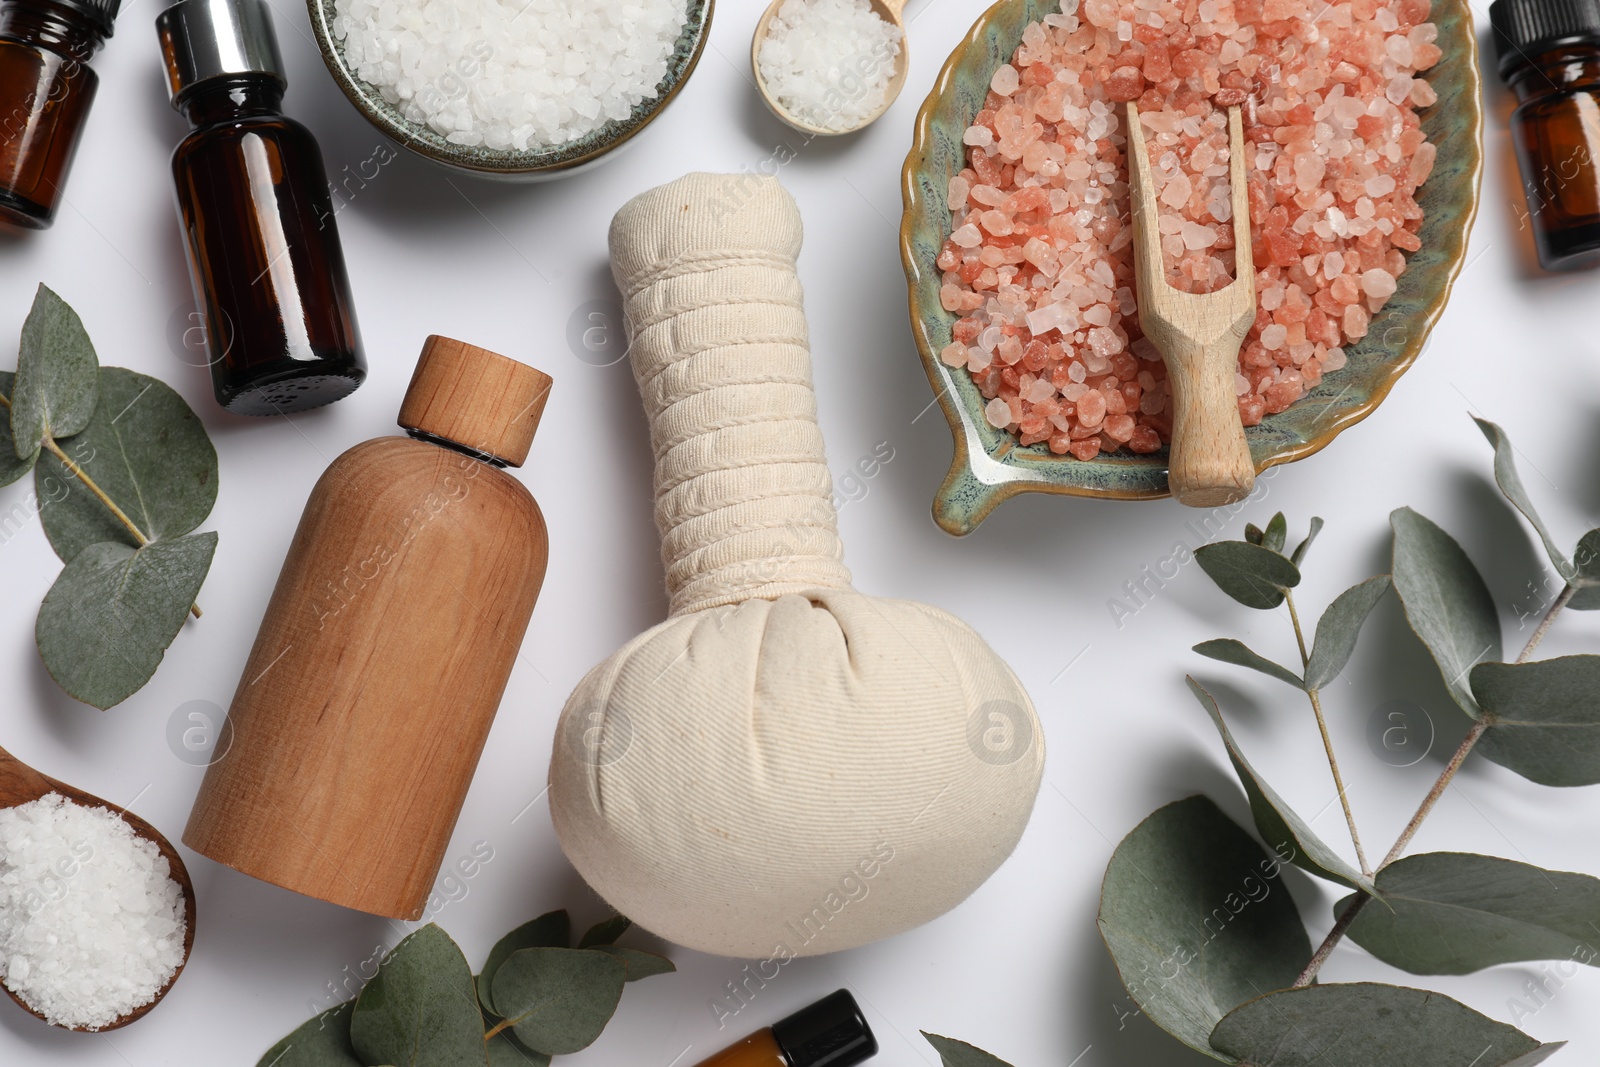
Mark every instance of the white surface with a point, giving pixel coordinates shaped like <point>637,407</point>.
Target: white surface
<point>1018,969</point>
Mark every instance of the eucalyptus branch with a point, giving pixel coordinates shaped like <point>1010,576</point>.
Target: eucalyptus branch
<point>1342,924</point>
<point>82,475</point>
<point>1327,741</point>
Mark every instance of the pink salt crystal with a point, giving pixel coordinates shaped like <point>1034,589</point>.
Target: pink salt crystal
<point>954,354</point>
<point>978,136</point>
<point>1005,80</point>
<point>958,194</point>
<point>1104,342</point>
<point>1091,408</point>
<point>1040,391</point>
<point>1334,360</point>
<point>1378,284</point>
<point>1355,321</point>
<point>998,413</point>
<point>1273,336</point>
<point>996,222</point>
<point>1196,236</point>
<point>967,236</point>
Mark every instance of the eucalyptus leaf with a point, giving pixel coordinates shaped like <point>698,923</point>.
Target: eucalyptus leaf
<point>550,930</point>
<point>558,999</point>
<point>148,451</point>
<point>55,389</point>
<point>1544,718</point>
<point>1277,823</point>
<point>420,1009</point>
<point>639,964</point>
<point>1276,533</point>
<point>1311,535</point>
<point>321,1041</point>
<point>1510,483</point>
<point>1253,533</point>
<point>1254,576</point>
<point>108,619</point>
<point>1228,650</point>
<point>953,1053</point>
<point>1367,1024</point>
<point>1196,921</point>
<point>604,933</point>
<point>1586,562</point>
<point>12,466</point>
<point>1338,629</point>
<point>1455,913</point>
<point>505,1050</point>
<point>1446,602</point>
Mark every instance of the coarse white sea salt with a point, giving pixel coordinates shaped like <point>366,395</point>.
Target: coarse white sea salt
<point>829,62</point>
<point>91,922</point>
<point>506,74</point>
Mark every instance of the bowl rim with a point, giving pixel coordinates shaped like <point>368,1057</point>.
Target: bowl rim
<point>366,100</point>
<point>955,413</point>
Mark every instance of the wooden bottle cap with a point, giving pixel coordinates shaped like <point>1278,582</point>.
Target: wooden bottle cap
<point>476,398</point>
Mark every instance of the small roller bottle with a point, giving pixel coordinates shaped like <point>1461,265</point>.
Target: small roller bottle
<point>830,1033</point>
<point>1549,53</point>
<point>264,254</point>
<point>46,88</point>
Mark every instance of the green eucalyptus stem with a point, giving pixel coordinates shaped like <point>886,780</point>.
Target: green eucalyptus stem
<point>1327,741</point>
<point>1463,750</point>
<point>503,1024</point>
<point>82,475</point>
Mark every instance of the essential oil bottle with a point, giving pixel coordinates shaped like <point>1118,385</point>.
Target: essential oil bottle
<point>46,88</point>
<point>1549,53</point>
<point>830,1033</point>
<point>264,255</point>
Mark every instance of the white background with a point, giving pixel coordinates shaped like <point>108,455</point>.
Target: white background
<point>1019,968</point>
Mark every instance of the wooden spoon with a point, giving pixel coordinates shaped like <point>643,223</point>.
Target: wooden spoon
<point>1198,335</point>
<point>20,783</point>
<point>891,11</point>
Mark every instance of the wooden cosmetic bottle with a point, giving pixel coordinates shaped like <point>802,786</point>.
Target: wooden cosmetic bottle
<point>386,647</point>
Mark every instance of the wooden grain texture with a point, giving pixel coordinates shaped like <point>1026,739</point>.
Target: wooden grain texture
<point>1198,334</point>
<point>20,784</point>
<point>891,11</point>
<point>475,397</point>
<point>385,650</point>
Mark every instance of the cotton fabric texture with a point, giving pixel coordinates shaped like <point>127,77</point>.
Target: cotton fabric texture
<point>785,766</point>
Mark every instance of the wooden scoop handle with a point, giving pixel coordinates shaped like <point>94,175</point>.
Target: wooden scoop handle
<point>1210,463</point>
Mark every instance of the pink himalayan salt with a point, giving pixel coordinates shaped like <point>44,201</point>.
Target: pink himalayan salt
<point>1335,152</point>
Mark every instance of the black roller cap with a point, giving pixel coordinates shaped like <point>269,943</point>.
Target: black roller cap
<point>1523,28</point>
<point>830,1033</point>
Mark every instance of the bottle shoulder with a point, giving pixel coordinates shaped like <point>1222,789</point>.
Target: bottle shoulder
<point>399,475</point>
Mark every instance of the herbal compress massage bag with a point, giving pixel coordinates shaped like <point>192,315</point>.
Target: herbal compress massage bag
<point>785,765</point>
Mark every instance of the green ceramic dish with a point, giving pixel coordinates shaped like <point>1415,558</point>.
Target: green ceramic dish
<point>990,466</point>
<point>534,164</point>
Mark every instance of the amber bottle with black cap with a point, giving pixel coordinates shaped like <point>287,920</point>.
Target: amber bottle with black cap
<point>1549,52</point>
<point>830,1033</point>
<point>264,254</point>
<point>46,88</point>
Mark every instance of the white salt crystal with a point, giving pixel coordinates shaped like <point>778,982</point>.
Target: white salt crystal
<point>91,922</point>
<point>829,62</point>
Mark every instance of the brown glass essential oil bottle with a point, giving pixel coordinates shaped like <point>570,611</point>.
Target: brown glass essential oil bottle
<point>1549,52</point>
<point>386,647</point>
<point>46,88</point>
<point>264,254</point>
<point>830,1033</point>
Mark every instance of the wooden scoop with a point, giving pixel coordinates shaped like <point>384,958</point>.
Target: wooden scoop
<point>20,783</point>
<point>891,11</point>
<point>1198,334</point>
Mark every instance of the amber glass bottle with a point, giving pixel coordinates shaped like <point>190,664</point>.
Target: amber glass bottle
<point>46,88</point>
<point>830,1033</point>
<point>264,255</point>
<point>1550,58</point>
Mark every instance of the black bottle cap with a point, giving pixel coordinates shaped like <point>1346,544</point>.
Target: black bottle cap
<point>830,1033</point>
<point>101,13</point>
<point>1524,28</point>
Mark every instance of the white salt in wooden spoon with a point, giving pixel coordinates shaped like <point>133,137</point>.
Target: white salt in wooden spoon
<point>891,11</point>
<point>1198,335</point>
<point>20,784</point>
